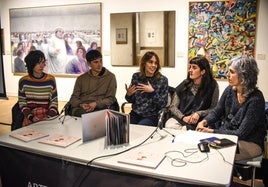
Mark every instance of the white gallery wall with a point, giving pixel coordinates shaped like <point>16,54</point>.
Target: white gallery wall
<point>123,74</point>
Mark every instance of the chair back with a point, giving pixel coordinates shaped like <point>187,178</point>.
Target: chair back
<point>17,117</point>
<point>114,106</point>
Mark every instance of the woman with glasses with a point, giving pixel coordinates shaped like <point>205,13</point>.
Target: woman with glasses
<point>240,110</point>
<point>37,95</point>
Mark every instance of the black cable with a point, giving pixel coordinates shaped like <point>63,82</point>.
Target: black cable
<point>114,154</point>
<point>47,119</point>
<point>3,123</point>
<point>236,171</point>
<point>51,118</point>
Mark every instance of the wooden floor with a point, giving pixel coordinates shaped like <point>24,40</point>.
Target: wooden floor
<point>5,121</point>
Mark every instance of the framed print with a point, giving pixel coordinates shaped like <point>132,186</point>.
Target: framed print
<point>121,36</point>
<point>64,33</point>
<point>221,30</point>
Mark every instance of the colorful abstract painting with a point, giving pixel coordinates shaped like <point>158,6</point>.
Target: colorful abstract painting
<point>221,30</point>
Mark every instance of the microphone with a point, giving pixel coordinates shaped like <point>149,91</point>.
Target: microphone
<point>160,119</point>
<point>161,122</point>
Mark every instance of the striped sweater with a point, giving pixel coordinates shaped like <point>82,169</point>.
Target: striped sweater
<point>38,93</point>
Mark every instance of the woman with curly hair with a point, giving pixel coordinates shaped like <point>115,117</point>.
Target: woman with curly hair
<point>241,109</point>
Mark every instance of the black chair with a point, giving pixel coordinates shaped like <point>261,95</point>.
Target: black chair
<point>124,105</point>
<point>17,117</point>
<point>114,106</point>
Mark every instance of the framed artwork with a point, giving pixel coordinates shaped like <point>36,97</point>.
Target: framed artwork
<point>121,36</point>
<point>221,30</point>
<point>60,32</point>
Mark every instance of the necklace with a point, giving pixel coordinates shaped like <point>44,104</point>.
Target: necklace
<point>195,88</point>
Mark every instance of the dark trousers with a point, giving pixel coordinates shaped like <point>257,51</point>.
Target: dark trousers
<point>140,120</point>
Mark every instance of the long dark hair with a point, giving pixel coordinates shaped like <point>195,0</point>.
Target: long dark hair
<point>208,83</point>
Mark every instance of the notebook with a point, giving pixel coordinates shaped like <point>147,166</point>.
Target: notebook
<point>61,140</point>
<point>27,134</point>
<point>143,158</point>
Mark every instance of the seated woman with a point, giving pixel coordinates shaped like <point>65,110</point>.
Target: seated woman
<point>195,97</point>
<point>148,91</point>
<point>38,98</point>
<point>241,109</point>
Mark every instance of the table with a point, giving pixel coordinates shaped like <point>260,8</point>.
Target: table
<point>33,163</point>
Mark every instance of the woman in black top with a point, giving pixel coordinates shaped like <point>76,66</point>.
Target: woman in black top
<point>194,97</point>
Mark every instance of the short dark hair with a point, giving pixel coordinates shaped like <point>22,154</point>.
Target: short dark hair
<point>93,55</point>
<point>33,58</point>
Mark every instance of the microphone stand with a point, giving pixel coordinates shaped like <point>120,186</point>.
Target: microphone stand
<point>168,132</point>
<point>62,116</point>
<point>66,106</point>
<point>161,123</point>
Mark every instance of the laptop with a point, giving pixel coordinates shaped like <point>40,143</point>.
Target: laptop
<point>94,125</point>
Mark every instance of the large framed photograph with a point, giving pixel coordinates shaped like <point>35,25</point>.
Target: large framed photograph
<point>64,33</point>
<point>221,30</point>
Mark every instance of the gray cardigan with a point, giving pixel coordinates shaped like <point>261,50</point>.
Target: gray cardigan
<point>246,120</point>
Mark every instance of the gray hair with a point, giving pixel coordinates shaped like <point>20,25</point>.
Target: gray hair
<point>248,71</point>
